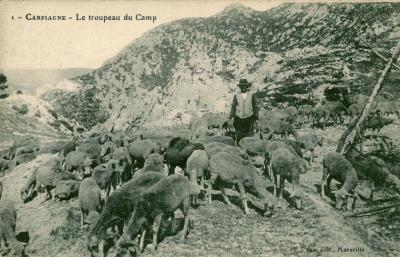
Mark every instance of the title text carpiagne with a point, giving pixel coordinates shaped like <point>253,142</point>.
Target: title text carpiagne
<point>79,17</point>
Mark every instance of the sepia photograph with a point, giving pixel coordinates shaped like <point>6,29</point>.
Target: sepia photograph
<point>199,128</point>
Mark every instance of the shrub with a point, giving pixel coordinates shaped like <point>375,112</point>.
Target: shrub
<point>23,109</point>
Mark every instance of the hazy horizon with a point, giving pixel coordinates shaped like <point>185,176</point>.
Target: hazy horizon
<point>40,45</point>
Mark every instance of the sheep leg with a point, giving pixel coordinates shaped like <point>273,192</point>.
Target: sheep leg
<point>243,196</point>
<point>281,186</point>
<point>108,190</point>
<point>49,196</point>
<point>372,187</point>
<point>156,227</point>
<point>101,248</point>
<point>185,210</point>
<point>141,244</point>
<point>275,178</point>
<point>82,218</point>
<point>225,196</point>
<point>325,176</point>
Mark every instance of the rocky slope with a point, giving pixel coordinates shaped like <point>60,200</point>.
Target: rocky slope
<point>194,64</point>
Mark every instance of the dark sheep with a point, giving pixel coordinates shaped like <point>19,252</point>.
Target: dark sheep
<point>158,201</point>
<point>377,123</point>
<point>178,152</point>
<point>89,198</point>
<point>374,170</point>
<point>118,209</point>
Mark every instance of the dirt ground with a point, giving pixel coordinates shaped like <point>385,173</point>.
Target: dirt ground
<point>219,230</point>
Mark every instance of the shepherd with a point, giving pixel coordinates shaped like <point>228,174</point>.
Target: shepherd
<point>244,111</point>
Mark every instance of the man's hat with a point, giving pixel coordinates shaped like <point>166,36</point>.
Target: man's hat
<point>244,82</point>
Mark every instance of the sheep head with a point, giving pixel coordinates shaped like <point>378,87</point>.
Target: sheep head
<point>95,246</point>
<point>341,196</point>
<point>304,166</point>
<point>298,195</point>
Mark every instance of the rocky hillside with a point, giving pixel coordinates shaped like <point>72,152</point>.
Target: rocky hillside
<point>194,64</point>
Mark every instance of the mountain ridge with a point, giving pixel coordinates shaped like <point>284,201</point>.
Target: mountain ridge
<point>194,63</point>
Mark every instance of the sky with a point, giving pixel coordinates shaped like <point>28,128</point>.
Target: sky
<point>32,44</point>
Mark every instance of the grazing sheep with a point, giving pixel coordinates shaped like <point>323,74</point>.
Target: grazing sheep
<point>335,166</point>
<point>26,149</point>
<point>197,167</point>
<point>220,139</point>
<point>66,189</point>
<point>389,107</point>
<point>233,150</point>
<point>69,147</point>
<point>118,209</point>
<point>9,245</point>
<point>270,127</point>
<point>154,162</point>
<point>288,167</point>
<point>138,149</point>
<point>107,148</point>
<point>51,147</point>
<point>122,156</point>
<point>45,177</point>
<point>253,145</point>
<point>333,110</point>
<point>374,170</point>
<point>232,170</point>
<point>296,145</point>
<point>377,123</point>
<point>178,152</point>
<point>23,158</point>
<point>80,162</point>
<point>4,164</point>
<point>305,111</point>
<point>91,149</point>
<point>208,147</point>
<point>309,142</point>
<point>160,200</point>
<point>89,198</point>
<point>106,175</point>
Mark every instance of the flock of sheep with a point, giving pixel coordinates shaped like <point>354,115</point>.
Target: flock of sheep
<point>127,184</point>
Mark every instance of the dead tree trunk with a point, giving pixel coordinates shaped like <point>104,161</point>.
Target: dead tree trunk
<point>348,137</point>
